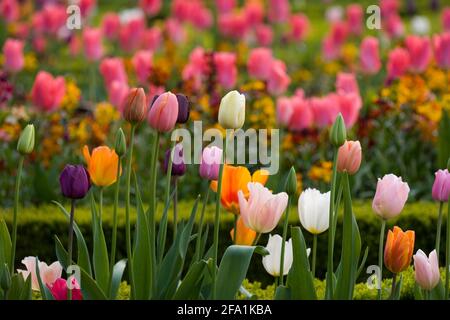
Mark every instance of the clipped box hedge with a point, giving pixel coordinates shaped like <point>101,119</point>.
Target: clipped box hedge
<point>37,225</point>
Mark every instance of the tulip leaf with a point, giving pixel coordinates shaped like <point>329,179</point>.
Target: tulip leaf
<point>300,280</point>
<point>5,244</point>
<point>45,292</point>
<point>26,290</point>
<point>398,289</point>
<point>83,254</point>
<point>438,292</point>
<point>363,262</point>
<point>162,232</point>
<point>190,286</point>
<point>116,278</point>
<point>20,288</point>
<point>282,293</point>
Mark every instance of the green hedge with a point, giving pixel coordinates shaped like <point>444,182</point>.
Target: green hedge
<point>37,225</point>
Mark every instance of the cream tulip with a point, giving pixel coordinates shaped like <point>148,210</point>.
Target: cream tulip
<point>232,110</point>
<point>313,210</point>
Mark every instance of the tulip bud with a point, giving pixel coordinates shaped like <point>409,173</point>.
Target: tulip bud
<point>390,196</point>
<point>291,182</point>
<point>349,157</point>
<point>74,182</point>
<point>163,113</point>
<point>210,163</point>
<point>178,165</point>
<point>232,110</point>
<point>26,140</point>
<point>121,143</point>
<point>338,133</point>
<point>135,108</point>
<point>399,249</point>
<point>183,108</point>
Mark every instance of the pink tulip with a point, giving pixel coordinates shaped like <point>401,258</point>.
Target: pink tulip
<point>113,69</point>
<point>302,115</point>
<point>254,12</point>
<point>390,196</point>
<point>142,64</point>
<point>54,17</point>
<point>419,49</point>
<point>117,94</point>
<point>279,10</point>
<point>262,211</point>
<point>349,106</point>
<point>197,67</point>
<point>234,25</point>
<point>394,26</point>
<point>47,92</point>
<point>264,34</point>
<point>39,44</point>
<point>110,25</point>
<point>151,39</point>
<point>9,10</point>
<point>92,42</point>
<point>225,6</point>
<point>325,110</point>
<point>226,70</point>
<point>13,55</point>
<point>426,269</point>
<point>130,34</point>
<point>346,83</point>
<point>154,91</point>
<point>201,17</point>
<point>339,32</point>
<point>299,26</point>
<point>150,7</point>
<point>259,63</point>
<point>442,49</point>
<point>59,289</point>
<point>398,62</point>
<point>86,7</point>
<point>210,163</point>
<point>284,110</point>
<point>355,17</point>
<point>164,112</point>
<point>175,30</point>
<point>349,157</point>
<point>48,273</point>
<point>369,55</point>
<point>74,45</point>
<point>330,50</point>
<point>441,186</point>
<point>389,7</point>
<point>446,19</point>
<point>278,80</point>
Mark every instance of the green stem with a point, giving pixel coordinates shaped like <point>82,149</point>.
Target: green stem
<point>70,242</point>
<point>217,217</point>
<point>255,242</point>
<point>152,222</point>
<point>235,228</point>
<point>168,182</point>
<point>394,285</point>
<point>283,242</point>
<point>16,209</point>
<point>439,226</point>
<point>100,205</point>
<point>127,215</point>
<point>114,231</point>
<point>200,225</point>
<point>175,207</point>
<point>380,256</point>
<point>447,255</point>
<point>314,255</point>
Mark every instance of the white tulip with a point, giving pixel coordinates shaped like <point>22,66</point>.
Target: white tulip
<point>313,210</point>
<point>271,261</point>
<point>232,110</point>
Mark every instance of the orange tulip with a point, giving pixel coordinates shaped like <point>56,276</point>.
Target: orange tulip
<point>244,236</point>
<point>101,165</point>
<point>399,249</point>
<point>235,179</point>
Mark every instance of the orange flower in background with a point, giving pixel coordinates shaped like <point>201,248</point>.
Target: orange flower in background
<point>244,236</point>
<point>399,249</point>
<point>236,178</point>
<point>102,165</point>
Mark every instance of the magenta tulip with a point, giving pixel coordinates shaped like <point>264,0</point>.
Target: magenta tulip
<point>210,163</point>
<point>441,186</point>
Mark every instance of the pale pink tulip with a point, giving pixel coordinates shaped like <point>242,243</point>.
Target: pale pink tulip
<point>92,43</point>
<point>426,269</point>
<point>142,64</point>
<point>13,55</point>
<point>259,63</point>
<point>441,186</point>
<point>117,94</point>
<point>210,163</point>
<point>302,116</point>
<point>419,49</point>
<point>369,55</point>
<point>349,157</point>
<point>48,273</point>
<point>226,70</point>
<point>262,211</point>
<point>390,196</point>
<point>442,50</point>
<point>398,62</point>
<point>278,80</point>
<point>325,110</point>
<point>47,92</point>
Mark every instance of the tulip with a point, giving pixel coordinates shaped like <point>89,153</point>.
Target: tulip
<point>426,270</point>
<point>419,49</point>
<point>291,182</point>
<point>313,209</point>
<point>135,109</point>
<point>226,70</point>
<point>446,19</point>
<point>25,145</point>
<point>390,196</point>
<point>178,165</point>
<point>394,26</point>
<point>349,157</point>
<point>299,26</point>
<point>346,83</point>
<point>235,179</point>
<point>279,10</point>
<point>92,42</point>
<point>113,69</point>
<point>259,63</point>
<point>244,236</point>
<point>9,10</point>
<point>183,108</point>
<point>399,249</point>
<point>13,55</point>
<point>271,262</point>
<point>74,182</point>
<point>278,80</point>
<point>338,133</point>
<point>130,34</point>
<point>302,115</point>
<point>349,106</point>
<point>441,45</point>
<point>48,92</point>
<point>284,110</point>
<point>441,186</point>
<point>48,273</point>
<point>232,110</point>
<point>210,163</point>
<point>262,211</point>
<point>163,113</point>
<point>121,143</point>
<point>152,38</point>
<point>142,64</point>
<point>264,35</point>
<point>150,7</point>
<point>117,94</point>
<point>355,16</point>
<point>102,165</point>
<point>369,55</point>
<point>59,289</point>
<point>110,25</point>
<point>398,62</point>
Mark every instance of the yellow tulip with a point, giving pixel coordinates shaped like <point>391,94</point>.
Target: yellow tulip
<point>102,165</point>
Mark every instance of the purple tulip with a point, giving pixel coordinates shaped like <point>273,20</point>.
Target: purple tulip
<point>74,181</point>
<point>178,165</point>
<point>183,108</point>
<point>210,164</point>
<point>441,185</point>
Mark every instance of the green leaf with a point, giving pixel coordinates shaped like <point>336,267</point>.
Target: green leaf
<point>363,262</point>
<point>45,292</point>
<point>189,288</point>
<point>443,148</point>
<point>116,278</point>
<point>162,231</point>
<point>83,259</point>
<point>26,290</point>
<point>300,279</point>
<point>232,271</point>
<point>5,244</point>
<point>438,292</point>
<point>20,289</point>
<point>282,293</point>
<point>398,289</point>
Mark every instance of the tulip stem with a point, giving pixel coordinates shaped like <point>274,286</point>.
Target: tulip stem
<point>175,209</point>
<point>200,225</point>
<point>394,285</point>
<point>167,195</point>
<point>380,256</point>
<point>100,205</point>
<point>447,254</point>
<point>283,242</point>
<point>257,239</point>
<point>314,255</point>
<point>114,231</point>
<point>439,226</point>
<point>152,226</point>
<point>235,228</point>
<point>70,243</point>
<point>16,209</point>
<point>127,215</point>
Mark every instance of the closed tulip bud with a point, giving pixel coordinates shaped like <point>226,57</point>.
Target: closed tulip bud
<point>244,236</point>
<point>135,108</point>
<point>121,143</point>
<point>313,210</point>
<point>178,165</point>
<point>232,110</point>
<point>441,186</point>
<point>399,249</point>
<point>183,108</point>
<point>271,262</point>
<point>338,133</point>
<point>291,182</point>
<point>25,145</point>
<point>163,113</point>
<point>210,163</point>
<point>390,196</point>
<point>74,182</point>
<point>426,269</point>
<point>349,157</point>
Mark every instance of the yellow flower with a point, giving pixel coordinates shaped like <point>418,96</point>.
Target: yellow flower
<point>105,113</point>
<point>30,61</point>
<point>431,111</point>
<point>102,165</point>
<point>72,96</point>
<point>349,53</point>
<point>321,172</point>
